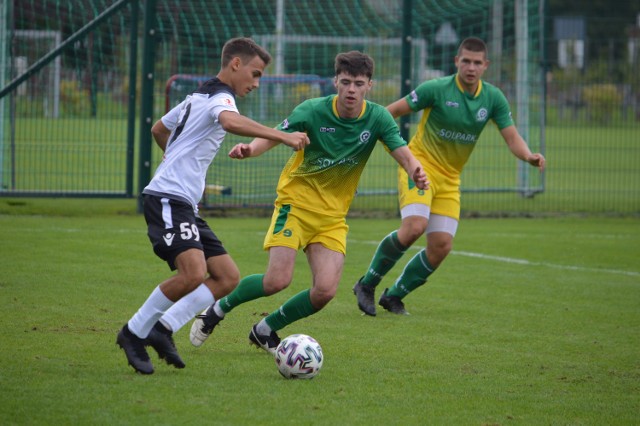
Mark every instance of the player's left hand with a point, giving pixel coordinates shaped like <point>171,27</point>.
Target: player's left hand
<point>240,151</point>
<point>420,178</point>
<point>537,160</point>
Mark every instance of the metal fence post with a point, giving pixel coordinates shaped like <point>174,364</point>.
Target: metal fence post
<point>131,115</point>
<point>146,105</point>
<point>405,66</point>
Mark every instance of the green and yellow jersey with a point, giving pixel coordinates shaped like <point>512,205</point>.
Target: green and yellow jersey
<point>452,121</point>
<point>324,176</point>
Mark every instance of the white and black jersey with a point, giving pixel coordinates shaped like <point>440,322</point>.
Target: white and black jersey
<point>196,136</point>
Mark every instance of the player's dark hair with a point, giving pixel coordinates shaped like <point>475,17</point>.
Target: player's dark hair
<point>354,63</point>
<point>473,44</point>
<point>244,48</point>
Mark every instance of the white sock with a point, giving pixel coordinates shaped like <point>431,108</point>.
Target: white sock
<point>263,328</point>
<point>216,308</point>
<point>149,313</point>
<point>188,307</point>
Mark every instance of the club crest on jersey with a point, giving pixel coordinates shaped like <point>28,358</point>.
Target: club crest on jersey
<point>482,114</point>
<point>365,136</point>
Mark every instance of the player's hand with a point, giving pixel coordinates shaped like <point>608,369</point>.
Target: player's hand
<point>296,140</point>
<point>537,160</point>
<point>420,178</point>
<point>240,151</point>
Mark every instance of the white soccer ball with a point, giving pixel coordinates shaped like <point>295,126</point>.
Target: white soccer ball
<point>299,357</point>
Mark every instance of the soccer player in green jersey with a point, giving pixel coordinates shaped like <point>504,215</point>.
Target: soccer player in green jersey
<point>314,193</point>
<point>455,110</point>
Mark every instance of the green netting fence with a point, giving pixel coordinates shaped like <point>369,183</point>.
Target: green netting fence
<point>78,125</point>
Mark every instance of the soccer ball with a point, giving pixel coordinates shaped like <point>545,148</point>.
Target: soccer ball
<point>299,357</point>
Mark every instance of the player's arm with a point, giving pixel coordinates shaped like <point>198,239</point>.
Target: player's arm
<point>405,158</point>
<point>257,147</point>
<point>399,108</point>
<point>520,149</point>
<point>240,125</point>
<point>160,134</point>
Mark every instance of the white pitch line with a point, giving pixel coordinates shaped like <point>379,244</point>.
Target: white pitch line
<point>548,265</point>
<point>524,261</point>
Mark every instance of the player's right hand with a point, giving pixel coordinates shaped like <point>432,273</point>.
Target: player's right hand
<point>420,178</point>
<point>296,140</point>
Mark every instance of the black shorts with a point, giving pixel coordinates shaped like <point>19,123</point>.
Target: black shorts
<point>173,227</point>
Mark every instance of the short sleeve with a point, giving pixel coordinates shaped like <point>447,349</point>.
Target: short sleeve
<point>389,132</point>
<point>220,102</point>
<point>502,111</point>
<point>296,121</point>
<point>170,119</point>
<point>422,96</point>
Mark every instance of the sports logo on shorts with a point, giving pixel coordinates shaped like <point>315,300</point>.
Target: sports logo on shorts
<point>168,238</point>
<point>482,114</point>
<point>365,136</point>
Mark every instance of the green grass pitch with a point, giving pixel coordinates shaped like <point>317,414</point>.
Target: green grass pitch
<point>529,321</point>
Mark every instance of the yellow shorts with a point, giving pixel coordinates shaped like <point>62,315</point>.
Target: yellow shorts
<point>297,228</point>
<point>442,197</point>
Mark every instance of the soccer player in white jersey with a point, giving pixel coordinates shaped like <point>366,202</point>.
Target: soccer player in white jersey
<point>314,193</point>
<point>190,136</point>
<point>455,111</point>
